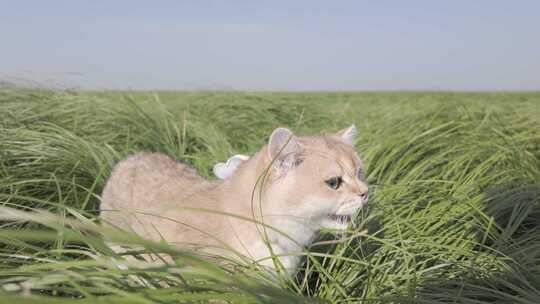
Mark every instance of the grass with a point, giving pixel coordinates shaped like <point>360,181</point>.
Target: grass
<point>454,215</point>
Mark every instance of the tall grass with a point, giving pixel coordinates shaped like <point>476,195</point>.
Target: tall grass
<point>454,215</point>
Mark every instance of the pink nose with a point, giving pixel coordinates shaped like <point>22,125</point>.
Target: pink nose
<point>364,197</point>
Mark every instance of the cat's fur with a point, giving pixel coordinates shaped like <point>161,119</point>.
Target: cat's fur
<point>283,186</point>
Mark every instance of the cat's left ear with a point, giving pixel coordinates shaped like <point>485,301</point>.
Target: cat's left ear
<point>348,135</point>
<point>284,149</point>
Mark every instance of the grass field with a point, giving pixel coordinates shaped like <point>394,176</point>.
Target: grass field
<point>454,214</point>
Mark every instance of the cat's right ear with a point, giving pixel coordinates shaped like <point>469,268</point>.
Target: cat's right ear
<point>284,148</point>
<point>348,135</point>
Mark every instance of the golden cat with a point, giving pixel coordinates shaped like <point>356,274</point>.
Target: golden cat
<point>296,185</point>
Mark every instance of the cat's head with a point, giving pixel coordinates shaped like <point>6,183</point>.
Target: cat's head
<point>315,178</point>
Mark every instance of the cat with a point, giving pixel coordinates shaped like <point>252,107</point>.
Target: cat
<point>274,201</point>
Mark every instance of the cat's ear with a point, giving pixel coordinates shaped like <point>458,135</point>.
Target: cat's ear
<point>348,135</point>
<point>284,147</point>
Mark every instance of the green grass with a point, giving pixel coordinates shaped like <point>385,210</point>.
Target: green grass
<point>454,215</point>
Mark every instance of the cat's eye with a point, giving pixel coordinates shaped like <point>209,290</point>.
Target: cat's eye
<point>334,182</point>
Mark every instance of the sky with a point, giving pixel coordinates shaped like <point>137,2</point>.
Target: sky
<point>303,45</point>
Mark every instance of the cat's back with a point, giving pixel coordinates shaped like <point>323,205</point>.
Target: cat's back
<point>148,181</point>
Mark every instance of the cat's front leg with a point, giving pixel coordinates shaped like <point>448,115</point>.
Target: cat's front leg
<point>275,258</point>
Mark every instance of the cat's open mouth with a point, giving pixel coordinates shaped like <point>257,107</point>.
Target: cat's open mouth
<point>341,219</point>
<point>343,216</point>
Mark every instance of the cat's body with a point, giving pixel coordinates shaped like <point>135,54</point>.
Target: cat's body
<point>285,186</point>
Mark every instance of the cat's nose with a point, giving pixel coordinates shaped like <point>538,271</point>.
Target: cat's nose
<point>364,197</point>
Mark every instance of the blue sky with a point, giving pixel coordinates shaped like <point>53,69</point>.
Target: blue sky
<point>272,45</point>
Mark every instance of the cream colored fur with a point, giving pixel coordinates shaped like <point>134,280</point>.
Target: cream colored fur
<point>283,186</point>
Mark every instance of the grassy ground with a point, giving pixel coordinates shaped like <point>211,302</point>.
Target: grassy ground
<point>454,215</point>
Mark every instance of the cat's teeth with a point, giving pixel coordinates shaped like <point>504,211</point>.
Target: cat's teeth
<point>341,219</point>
